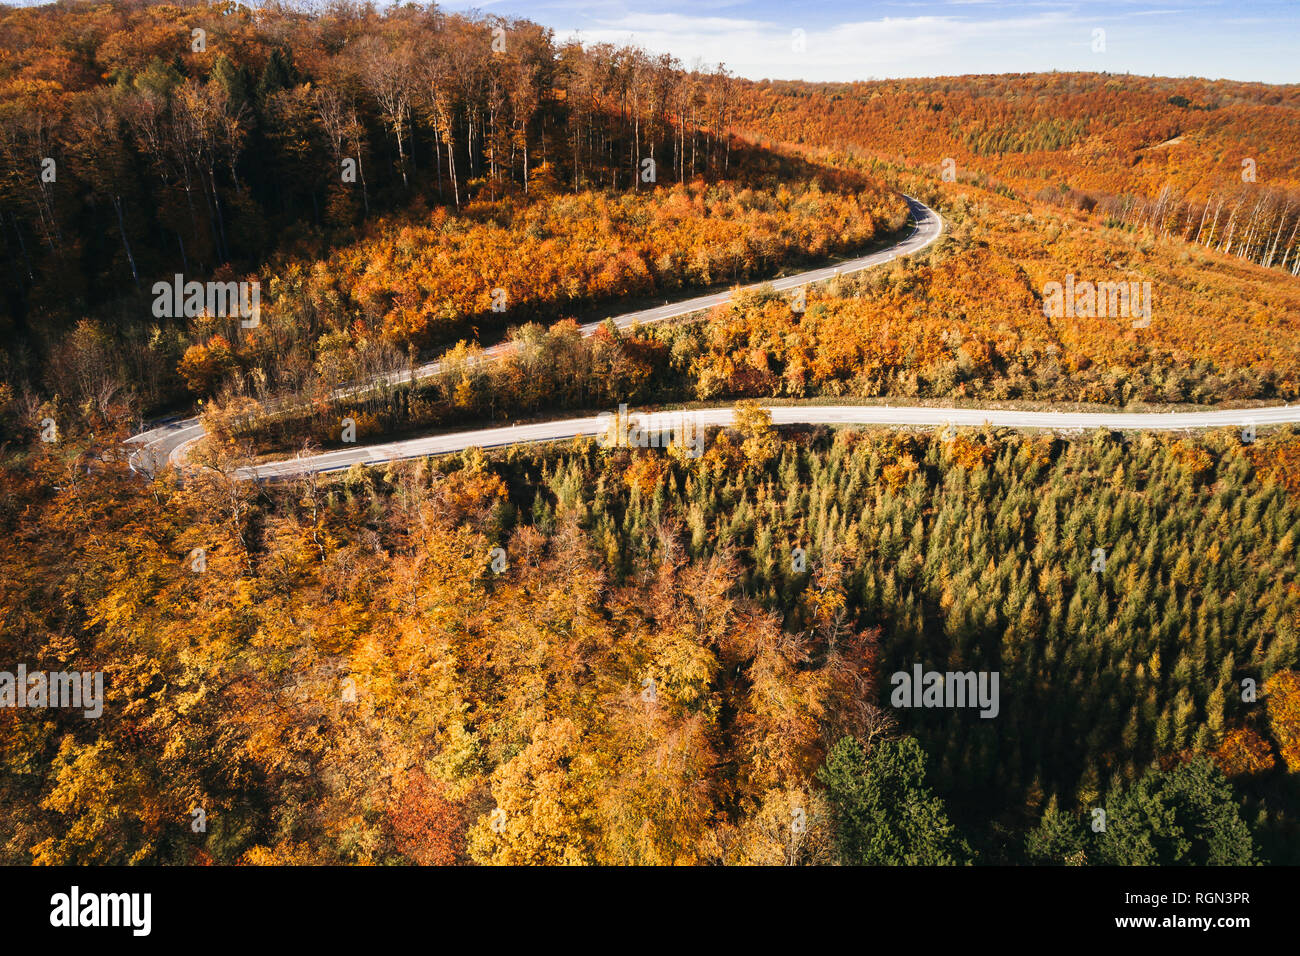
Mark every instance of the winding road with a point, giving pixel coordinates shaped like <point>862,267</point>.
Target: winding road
<point>168,443</point>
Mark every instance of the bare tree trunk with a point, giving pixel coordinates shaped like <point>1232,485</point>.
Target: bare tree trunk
<point>1281,223</point>
<point>121,225</point>
<point>451,166</point>
<point>1214,226</point>
<point>437,152</point>
<point>1204,213</point>
<point>1290,243</point>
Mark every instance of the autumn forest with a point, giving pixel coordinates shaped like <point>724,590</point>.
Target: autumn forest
<point>567,652</point>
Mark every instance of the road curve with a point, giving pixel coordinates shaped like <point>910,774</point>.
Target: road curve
<point>927,226</point>
<point>661,422</point>
<point>169,442</point>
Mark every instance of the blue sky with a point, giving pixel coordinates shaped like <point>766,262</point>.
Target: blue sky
<point>856,40</point>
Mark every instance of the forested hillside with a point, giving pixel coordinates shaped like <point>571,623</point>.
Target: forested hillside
<point>964,323</point>
<point>572,653</point>
<point>1212,162</point>
<point>501,265</point>
<point>187,137</point>
<point>647,676</point>
<point>499,179</point>
<point>394,181</point>
<point>971,322</point>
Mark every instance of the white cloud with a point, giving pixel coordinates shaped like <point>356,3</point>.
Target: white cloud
<point>892,46</point>
<point>939,37</point>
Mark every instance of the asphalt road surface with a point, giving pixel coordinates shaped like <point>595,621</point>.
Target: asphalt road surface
<point>688,424</point>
